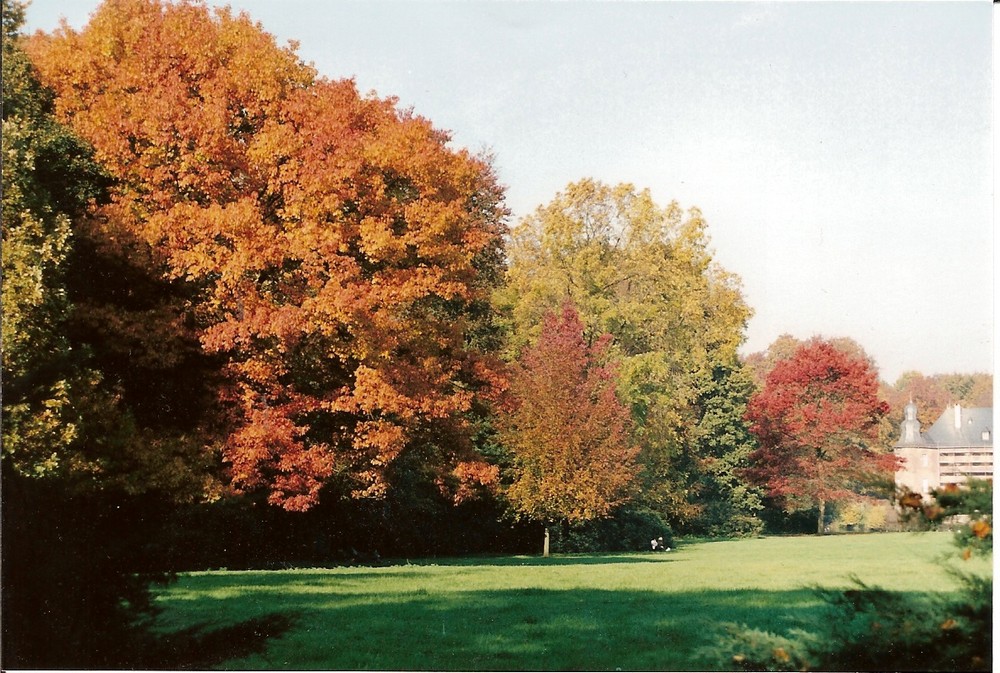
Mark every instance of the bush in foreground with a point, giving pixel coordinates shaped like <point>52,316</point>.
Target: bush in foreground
<point>875,629</point>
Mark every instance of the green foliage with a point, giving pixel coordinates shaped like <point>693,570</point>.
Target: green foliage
<point>729,505</point>
<point>48,178</point>
<point>758,650</point>
<point>871,629</point>
<point>625,530</point>
<point>972,504</point>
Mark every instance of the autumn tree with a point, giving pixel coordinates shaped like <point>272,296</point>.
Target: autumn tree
<point>816,421</point>
<point>568,433</point>
<point>336,256</point>
<point>761,363</point>
<point>933,393</point>
<point>643,273</point>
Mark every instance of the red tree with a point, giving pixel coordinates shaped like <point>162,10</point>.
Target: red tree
<point>816,420</point>
<point>568,431</point>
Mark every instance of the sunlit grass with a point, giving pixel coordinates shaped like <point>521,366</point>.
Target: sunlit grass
<point>640,611</point>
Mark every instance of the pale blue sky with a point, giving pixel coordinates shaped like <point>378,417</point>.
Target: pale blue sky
<point>841,152</point>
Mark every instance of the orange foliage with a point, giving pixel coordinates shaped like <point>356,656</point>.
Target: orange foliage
<point>339,249</point>
<point>567,430</point>
<point>981,528</point>
<point>474,477</point>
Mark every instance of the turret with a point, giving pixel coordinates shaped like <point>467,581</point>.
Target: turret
<point>909,429</point>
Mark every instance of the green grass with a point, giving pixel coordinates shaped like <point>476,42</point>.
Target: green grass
<point>640,611</point>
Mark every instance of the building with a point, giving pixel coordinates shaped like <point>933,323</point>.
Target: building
<point>958,446</point>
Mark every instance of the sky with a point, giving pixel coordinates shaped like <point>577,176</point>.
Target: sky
<point>842,153</point>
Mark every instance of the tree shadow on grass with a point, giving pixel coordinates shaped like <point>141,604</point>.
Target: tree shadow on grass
<point>529,628</point>
<point>199,647</point>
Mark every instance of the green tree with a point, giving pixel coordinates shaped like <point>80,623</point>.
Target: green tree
<point>645,274</point>
<point>91,448</point>
<point>48,178</point>
<point>729,504</point>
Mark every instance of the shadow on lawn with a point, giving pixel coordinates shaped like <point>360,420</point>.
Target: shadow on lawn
<point>527,628</point>
<point>200,648</point>
<point>544,629</point>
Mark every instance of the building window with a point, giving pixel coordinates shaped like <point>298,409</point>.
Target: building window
<point>924,460</point>
<point>926,487</point>
<point>986,435</point>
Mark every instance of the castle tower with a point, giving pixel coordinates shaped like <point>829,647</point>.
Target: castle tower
<point>909,429</point>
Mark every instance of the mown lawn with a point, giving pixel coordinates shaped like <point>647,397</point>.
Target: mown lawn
<point>641,611</point>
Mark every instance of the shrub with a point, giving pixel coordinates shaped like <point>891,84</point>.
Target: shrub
<point>868,628</point>
<point>625,530</point>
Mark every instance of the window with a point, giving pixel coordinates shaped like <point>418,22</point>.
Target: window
<point>926,487</point>
<point>986,435</point>
<point>924,460</point>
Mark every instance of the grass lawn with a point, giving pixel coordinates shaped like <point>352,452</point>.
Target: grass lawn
<point>640,611</point>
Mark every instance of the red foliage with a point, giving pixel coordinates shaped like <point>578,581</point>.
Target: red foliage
<point>569,432</point>
<point>816,420</point>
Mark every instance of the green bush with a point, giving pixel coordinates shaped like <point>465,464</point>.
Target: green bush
<point>872,629</point>
<point>626,530</point>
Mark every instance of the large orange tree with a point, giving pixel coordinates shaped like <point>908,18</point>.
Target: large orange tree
<point>336,255</point>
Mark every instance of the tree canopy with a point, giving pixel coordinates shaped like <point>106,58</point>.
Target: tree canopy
<point>644,274</point>
<point>816,421</point>
<point>48,178</point>
<point>567,431</point>
<point>337,256</point>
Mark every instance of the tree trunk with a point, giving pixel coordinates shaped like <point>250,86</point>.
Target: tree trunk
<point>822,516</point>
<point>545,549</point>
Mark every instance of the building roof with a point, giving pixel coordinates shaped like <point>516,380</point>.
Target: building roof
<point>957,426</point>
<point>974,427</point>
